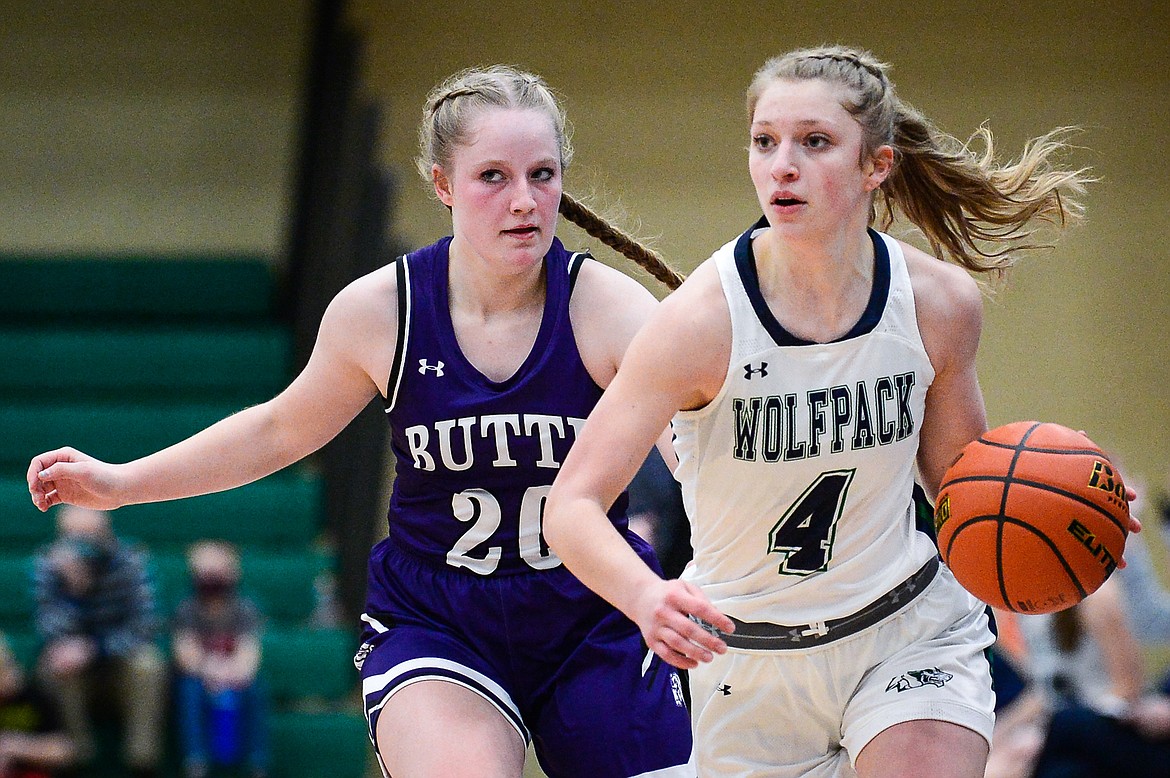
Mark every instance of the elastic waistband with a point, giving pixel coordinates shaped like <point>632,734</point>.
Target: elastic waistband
<point>777,637</point>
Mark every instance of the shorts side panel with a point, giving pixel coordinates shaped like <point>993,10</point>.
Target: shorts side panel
<point>616,710</point>
<point>407,655</point>
<point>940,672</point>
<point>772,714</point>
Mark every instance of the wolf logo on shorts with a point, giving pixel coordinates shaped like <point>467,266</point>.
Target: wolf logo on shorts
<point>918,678</point>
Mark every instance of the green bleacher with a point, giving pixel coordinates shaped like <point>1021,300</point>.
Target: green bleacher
<point>234,364</point>
<point>282,584</point>
<point>120,356</point>
<point>141,425</point>
<point>35,290</point>
<point>275,512</point>
<point>16,606</point>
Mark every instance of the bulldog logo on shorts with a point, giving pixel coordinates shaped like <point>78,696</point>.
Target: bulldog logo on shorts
<point>916,679</point>
<point>363,651</point>
<point>677,690</point>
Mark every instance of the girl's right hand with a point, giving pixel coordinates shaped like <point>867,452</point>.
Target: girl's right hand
<point>672,614</point>
<point>66,475</point>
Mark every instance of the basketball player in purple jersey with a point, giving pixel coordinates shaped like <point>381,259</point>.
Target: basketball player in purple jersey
<point>489,349</point>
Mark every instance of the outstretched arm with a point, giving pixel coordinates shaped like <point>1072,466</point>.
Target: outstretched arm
<point>674,362</point>
<point>1103,615</point>
<point>349,364</point>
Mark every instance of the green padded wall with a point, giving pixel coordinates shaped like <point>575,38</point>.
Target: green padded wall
<point>74,288</point>
<point>245,364</point>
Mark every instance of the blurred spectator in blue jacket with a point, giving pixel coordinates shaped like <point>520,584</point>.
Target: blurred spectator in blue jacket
<point>222,705</point>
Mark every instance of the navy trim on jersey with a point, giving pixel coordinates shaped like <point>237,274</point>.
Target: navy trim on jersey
<point>575,263</point>
<point>880,293</point>
<point>403,273</point>
<point>923,513</point>
<point>745,262</point>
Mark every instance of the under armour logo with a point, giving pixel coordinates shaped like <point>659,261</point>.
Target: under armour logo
<point>818,628</point>
<point>761,371</point>
<point>423,367</point>
<point>724,689</point>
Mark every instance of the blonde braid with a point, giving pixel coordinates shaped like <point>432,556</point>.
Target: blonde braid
<point>648,259</point>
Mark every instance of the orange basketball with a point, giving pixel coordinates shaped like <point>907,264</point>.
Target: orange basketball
<point>1031,517</point>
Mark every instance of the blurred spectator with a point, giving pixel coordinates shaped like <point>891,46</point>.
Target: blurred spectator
<point>222,704</point>
<point>1105,720</point>
<point>1020,731</point>
<point>33,742</point>
<point>1147,596</point>
<point>95,615</point>
<point>657,514</point>
<point>327,609</point>
<point>1021,712</point>
<point>1089,709</point>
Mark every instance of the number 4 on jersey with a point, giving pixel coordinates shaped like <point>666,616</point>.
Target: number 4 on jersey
<point>805,534</point>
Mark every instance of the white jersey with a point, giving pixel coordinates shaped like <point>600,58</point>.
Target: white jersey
<point>798,476</point>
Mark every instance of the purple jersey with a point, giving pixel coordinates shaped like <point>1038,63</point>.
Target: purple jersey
<point>447,597</point>
<point>476,458</point>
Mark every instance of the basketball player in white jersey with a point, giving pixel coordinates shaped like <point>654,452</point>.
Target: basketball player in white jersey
<point>821,377</point>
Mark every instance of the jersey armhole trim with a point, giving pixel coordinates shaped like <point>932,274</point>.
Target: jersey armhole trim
<point>397,366</point>
<point>575,262</point>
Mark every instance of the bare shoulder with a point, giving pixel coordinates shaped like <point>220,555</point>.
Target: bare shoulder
<point>689,336</point>
<point>607,308</point>
<point>375,288</point>
<point>368,302</point>
<point>948,301</point>
<point>600,286</point>
<point>699,307</point>
<point>360,324</point>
